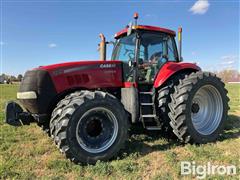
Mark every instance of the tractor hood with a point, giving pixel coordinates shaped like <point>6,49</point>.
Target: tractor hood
<point>68,65</point>
<point>84,74</point>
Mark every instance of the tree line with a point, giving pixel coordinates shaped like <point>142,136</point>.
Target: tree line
<point>4,78</point>
<point>227,75</point>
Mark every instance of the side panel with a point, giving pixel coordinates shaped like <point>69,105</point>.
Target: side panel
<point>88,75</point>
<point>171,68</point>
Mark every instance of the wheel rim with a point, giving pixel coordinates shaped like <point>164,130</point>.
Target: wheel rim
<point>97,130</point>
<point>206,110</point>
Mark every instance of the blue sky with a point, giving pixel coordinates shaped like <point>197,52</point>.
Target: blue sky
<point>35,33</point>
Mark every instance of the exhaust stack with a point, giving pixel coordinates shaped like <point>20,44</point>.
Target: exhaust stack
<point>180,43</point>
<point>102,47</point>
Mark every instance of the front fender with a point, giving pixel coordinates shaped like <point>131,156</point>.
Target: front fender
<point>171,68</point>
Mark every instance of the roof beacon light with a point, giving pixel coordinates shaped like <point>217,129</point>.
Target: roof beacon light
<point>135,16</point>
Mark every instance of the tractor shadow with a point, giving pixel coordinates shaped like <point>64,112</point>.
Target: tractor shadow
<point>232,128</point>
<point>143,142</point>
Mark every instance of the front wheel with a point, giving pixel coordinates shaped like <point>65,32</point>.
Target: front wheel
<point>198,108</point>
<point>90,126</point>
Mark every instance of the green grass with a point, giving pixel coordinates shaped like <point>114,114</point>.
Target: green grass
<point>28,153</point>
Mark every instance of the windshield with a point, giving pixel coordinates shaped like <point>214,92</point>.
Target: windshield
<point>152,47</point>
<point>125,48</point>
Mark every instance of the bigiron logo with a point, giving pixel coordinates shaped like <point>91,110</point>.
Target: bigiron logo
<point>201,171</point>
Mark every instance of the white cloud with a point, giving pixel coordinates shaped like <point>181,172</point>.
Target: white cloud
<point>200,7</point>
<point>52,45</point>
<point>229,57</point>
<point>195,62</point>
<point>193,53</point>
<point>150,16</point>
<point>229,62</point>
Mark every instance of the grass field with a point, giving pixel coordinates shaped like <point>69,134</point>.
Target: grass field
<point>28,153</point>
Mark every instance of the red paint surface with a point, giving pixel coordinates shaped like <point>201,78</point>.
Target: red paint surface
<point>92,77</point>
<point>170,68</point>
<point>129,84</point>
<point>149,28</point>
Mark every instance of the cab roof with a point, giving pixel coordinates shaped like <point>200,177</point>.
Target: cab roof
<point>144,27</point>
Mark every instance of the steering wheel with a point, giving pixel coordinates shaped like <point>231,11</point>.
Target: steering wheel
<point>129,53</point>
<point>155,57</point>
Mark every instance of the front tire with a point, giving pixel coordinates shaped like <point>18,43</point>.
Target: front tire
<point>89,126</point>
<point>198,108</point>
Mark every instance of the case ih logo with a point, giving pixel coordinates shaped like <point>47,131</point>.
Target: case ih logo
<point>107,65</point>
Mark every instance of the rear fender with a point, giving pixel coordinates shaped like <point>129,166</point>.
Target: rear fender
<point>170,68</point>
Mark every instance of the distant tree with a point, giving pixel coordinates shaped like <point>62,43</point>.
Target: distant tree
<point>12,78</point>
<point>4,76</point>
<point>19,77</point>
<point>229,75</point>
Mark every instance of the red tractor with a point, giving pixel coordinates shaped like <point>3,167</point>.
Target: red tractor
<point>87,106</point>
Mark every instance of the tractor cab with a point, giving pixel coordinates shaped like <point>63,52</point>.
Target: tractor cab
<point>144,52</point>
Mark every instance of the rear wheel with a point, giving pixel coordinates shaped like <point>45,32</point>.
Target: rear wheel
<point>164,98</point>
<point>89,126</point>
<point>198,108</point>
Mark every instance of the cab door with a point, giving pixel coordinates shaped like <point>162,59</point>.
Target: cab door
<point>125,50</point>
<point>155,50</point>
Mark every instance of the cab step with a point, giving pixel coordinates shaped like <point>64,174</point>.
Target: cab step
<point>148,115</point>
<point>147,104</point>
<point>153,128</point>
<point>149,93</point>
<point>147,111</point>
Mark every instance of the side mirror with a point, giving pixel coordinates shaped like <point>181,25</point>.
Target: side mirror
<point>129,31</point>
<point>130,63</point>
<point>111,42</point>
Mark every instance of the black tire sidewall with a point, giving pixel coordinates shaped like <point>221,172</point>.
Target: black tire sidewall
<point>195,135</point>
<point>115,107</point>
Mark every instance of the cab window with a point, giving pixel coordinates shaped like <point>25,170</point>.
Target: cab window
<point>125,48</point>
<point>157,45</point>
<point>155,50</point>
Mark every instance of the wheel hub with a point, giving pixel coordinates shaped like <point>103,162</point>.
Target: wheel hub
<point>207,109</point>
<point>195,108</point>
<point>97,130</point>
<point>94,127</point>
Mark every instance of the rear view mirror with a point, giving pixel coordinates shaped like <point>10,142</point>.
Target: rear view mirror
<point>129,31</point>
<point>130,63</point>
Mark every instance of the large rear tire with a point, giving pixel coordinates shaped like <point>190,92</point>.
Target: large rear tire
<point>163,99</point>
<point>89,126</point>
<point>198,108</point>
